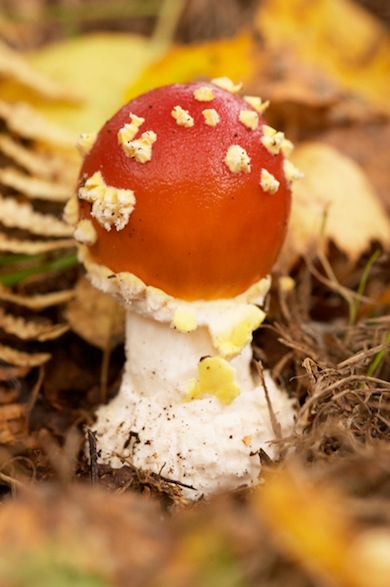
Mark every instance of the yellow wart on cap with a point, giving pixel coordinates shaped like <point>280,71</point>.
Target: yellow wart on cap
<point>85,142</point>
<point>272,139</point>
<point>110,206</point>
<point>141,149</point>
<point>129,130</point>
<point>227,84</point>
<point>85,232</point>
<point>182,117</point>
<point>211,116</point>
<point>249,118</point>
<point>257,103</point>
<point>71,211</point>
<point>268,182</point>
<point>237,159</point>
<point>203,94</point>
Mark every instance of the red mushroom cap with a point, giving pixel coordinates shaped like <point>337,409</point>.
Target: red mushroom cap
<point>198,229</point>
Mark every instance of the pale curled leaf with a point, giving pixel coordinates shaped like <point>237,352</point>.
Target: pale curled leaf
<point>36,302</point>
<point>29,329</point>
<point>21,359</point>
<point>95,316</point>
<point>334,202</point>
<point>16,215</point>
<point>15,67</point>
<point>39,163</point>
<point>33,187</point>
<point>29,124</point>
<point>12,245</point>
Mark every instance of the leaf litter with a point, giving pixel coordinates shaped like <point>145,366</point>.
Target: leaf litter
<point>319,515</point>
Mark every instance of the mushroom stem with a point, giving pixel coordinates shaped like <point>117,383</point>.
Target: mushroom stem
<point>209,441</point>
<point>160,357</point>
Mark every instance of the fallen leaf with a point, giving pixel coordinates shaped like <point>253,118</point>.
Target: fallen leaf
<point>33,187</point>
<point>233,58</point>
<point>13,66</point>
<point>13,424</point>
<point>335,36</point>
<point>22,215</point>
<point>98,67</point>
<point>95,316</point>
<point>36,302</point>
<point>334,202</point>
<point>21,359</point>
<point>29,329</point>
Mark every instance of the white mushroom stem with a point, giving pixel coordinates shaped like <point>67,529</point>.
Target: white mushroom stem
<point>198,421</point>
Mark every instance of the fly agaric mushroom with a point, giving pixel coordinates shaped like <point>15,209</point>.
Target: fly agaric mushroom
<point>181,210</point>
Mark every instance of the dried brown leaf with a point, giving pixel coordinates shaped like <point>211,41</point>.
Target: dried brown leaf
<point>13,424</point>
<point>16,215</point>
<point>40,163</point>
<point>33,187</point>
<point>22,359</point>
<point>36,302</point>
<point>95,316</point>
<point>333,202</point>
<point>11,245</point>
<point>30,330</point>
<point>29,124</point>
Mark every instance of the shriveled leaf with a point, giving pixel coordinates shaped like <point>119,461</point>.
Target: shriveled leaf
<point>42,165</point>
<point>232,57</point>
<point>16,215</point>
<point>31,330</point>
<point>13,66</point>
<point>313,525</point>
<point>11,245</point>
<point>99,67</point>
<point>335,36</point>
<point>13,423</point>
<point>33,187</point>
<point>36,302</point>
<point>333,202</point>
<point>95,316</point>
<point>8,373</point>
<point>26,121</point>
<point>21,359</point>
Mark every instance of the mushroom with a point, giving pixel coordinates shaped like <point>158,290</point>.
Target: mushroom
<point>181,210</point>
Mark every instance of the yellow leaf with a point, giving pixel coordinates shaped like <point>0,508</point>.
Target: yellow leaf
<point>98,67</point>
<point>335,35</point>
<point>229,57</point>
<point>336,197</point>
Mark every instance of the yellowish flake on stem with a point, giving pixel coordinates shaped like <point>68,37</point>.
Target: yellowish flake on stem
<point>227,84</point>
<point>215,377</point>
<point>211,116</point>
<point>257,103</point>
<point>237,159</point>
<point>230,343</point>
<point>85,232</point>
<point>249,118</point>
<point>129,130</point>
<point>272,139</point>
<point>85,142</point>
<point>203,94</point>
<point>110,206</point>
<point>268,182</point>
<point>291,172</point>
<point>182,117</point>
<point>184,319</point>
<point>141,149</point>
